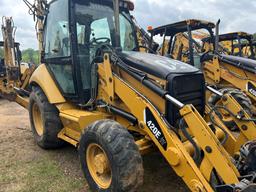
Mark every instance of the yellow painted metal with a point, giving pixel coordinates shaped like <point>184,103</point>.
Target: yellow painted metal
<point>247,128</point>
<point>182,163</point>
<point>231,143</point>
<point>37,118</point>
<point>213,150</point>
<point>230,76</point>
<point>109,78</point>
<point>98,165</point>
<point>62,135</point>
<point>145,146</point>
<point>121,90</point>
<point>75,121</point>
<point>23,101</point>
<point>26,76</point>
<point>47,84</point>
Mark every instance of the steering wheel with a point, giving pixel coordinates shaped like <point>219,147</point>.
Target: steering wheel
<point>98,41</point>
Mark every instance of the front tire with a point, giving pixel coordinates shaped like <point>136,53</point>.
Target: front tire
<point>109,158</point>
<point>44,120</point>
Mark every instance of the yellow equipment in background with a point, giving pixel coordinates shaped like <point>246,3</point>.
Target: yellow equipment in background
<point>9,64</point>
<point>221,70</point>
<point>96,91</point>
<point>237,44</point>
<point>181,45</point>
<point>13,76</point>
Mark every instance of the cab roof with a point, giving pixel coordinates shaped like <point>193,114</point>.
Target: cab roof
<point>232,36</point>
<point>180,27</point>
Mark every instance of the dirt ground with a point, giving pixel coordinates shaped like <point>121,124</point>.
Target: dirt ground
<point>24,167</point>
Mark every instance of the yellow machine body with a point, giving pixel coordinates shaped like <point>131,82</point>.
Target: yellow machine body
<point>143,97</point>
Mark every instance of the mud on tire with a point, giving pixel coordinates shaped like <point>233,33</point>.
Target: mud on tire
<point>122,153</point>
<point>44,120</point>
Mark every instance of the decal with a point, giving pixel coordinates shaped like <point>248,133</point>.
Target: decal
<point>251,89</point>
<point>166,63</point>
<point>154,127</point>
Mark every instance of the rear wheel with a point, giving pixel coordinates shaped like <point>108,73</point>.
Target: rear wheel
<point>109,157</point>
<point>44,120</point>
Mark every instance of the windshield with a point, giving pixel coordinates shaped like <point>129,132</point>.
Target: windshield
<point>95,22</point>
<point>95,26</point>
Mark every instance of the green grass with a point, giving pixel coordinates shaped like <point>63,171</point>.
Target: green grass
<point>42,175</point>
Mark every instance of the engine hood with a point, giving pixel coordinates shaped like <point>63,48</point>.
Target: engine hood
<point>241,62</point>
<point>156,65</point>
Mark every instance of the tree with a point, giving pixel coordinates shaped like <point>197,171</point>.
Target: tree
<point>30,56</point>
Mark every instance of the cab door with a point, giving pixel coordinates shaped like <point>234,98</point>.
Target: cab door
<point>58,50</point>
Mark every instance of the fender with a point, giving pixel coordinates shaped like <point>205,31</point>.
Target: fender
<point>43,79</point>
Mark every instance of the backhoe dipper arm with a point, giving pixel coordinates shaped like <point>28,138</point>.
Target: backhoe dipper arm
<point>39,10</point>
<point>8,37</point>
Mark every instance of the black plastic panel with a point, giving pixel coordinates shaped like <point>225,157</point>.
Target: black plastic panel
<point>187,88</point>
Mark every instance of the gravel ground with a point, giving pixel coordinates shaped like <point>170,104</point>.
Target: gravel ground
<point>26,167</point>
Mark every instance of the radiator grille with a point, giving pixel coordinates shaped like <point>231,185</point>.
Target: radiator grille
<point>189,89</point>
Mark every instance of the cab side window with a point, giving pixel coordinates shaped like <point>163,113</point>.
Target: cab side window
<point>57,42</point>
<point>57,47</point>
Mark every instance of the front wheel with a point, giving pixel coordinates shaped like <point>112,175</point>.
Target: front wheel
<point>110,159</point>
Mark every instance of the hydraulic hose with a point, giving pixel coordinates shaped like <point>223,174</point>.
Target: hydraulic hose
<point>214,109</point>
<point>197,154</point>
<point>234,115</point>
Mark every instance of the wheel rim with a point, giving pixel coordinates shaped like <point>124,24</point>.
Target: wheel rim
<point>98,165</point>
<point>37,119</point>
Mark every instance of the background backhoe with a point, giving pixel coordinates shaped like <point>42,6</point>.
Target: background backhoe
<point>14,78</point>
<point>180,41</point>
<point>221,70</point>
<point>236,43</point>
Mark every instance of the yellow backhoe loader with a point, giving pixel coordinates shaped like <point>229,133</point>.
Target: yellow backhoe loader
<point>182,46</point>
<point>221,70</point>
<point>96,91</point>
<point>237,44</point>
<point>13,77</point>
<point>246,48</point>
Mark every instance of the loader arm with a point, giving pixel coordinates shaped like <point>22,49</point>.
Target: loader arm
<point>177,152</point>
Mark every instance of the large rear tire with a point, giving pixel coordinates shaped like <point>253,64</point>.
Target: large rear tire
<point>109,158</point>
<point>44,119</point>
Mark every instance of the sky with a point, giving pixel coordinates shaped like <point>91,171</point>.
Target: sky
<point>235,15</point>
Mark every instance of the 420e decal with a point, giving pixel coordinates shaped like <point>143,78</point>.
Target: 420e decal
<point>154,127</point>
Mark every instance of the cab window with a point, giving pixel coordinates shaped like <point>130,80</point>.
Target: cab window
<point>57,47</point>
